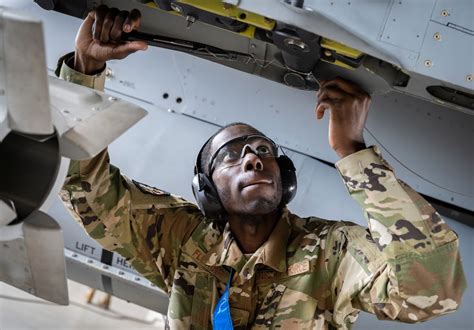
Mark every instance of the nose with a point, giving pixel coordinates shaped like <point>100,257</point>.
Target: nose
<point>251,161</point>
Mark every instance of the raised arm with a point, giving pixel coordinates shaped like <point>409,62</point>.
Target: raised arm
<point>144,224</point>
<point>407,265</point>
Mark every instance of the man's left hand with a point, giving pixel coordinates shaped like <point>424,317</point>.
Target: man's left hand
<point>349,105</point>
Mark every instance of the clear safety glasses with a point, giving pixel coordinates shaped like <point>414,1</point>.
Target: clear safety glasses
<point>233,151</point>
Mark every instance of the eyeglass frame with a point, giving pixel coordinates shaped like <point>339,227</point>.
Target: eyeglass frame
<point>243,137</point>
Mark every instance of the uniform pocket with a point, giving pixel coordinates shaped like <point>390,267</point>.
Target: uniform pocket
<point>202,302</point>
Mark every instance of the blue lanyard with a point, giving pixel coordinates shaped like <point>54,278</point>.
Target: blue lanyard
<point>222,317</point>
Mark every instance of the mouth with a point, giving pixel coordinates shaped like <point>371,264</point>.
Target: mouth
<point>256,183</point>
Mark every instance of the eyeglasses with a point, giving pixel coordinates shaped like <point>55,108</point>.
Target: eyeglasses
<point>232,152</point>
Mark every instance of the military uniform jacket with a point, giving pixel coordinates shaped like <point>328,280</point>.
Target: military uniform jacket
<point>310,273</point>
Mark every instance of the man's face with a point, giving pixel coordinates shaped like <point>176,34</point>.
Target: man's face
<point>251,187</point>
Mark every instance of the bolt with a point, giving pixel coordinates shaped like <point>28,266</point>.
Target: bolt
<point>112,98</point>
<point>327,53</point>
<point>190,21</point>
<point>109,73</point>
<point>444,13</point>
<point>176,8</point>
<point>66,111</point>
<point>77,119</point>
<point>121,273</point>
<point>227,6</point>
<point>267,20</point>
<point>74,255</point>
<point>428,63</point>
<point>5,245</point>
<point>137,278</point>
<point>90,261</point>
<point>469,77</point>
<point>253,46</point>
<point>170,110</point>
<point>95,109</point>
<point>105,267</point>
<point>437,36</point>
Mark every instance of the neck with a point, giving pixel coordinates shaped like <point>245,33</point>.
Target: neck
<point>251,231</point>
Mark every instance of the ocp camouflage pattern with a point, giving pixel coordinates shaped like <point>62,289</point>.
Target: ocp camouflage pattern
<point>310,274</point>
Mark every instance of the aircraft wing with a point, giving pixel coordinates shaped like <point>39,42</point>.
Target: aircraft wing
<point>403,46</point>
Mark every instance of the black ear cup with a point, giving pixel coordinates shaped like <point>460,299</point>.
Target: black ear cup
<point>207,197</point>
<point>288,179</point>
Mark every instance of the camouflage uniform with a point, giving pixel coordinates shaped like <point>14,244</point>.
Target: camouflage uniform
<point>310,273</point>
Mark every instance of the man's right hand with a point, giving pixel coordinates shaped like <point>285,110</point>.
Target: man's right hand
<point>99,38</point>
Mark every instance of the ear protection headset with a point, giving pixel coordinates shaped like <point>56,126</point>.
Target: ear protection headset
<point>208,199</point>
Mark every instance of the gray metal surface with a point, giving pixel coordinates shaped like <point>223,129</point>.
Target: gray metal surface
<point>121,283</point>
<point>405,26</point>
<point>32,258</point>
<point>14,263</point>
<point>87,120</point>
<point>393,31</point>
<point>443,44</point>
<point>24,75</point>
<point>44,244</point>
<point>371,22</point>
<point>457,14</point>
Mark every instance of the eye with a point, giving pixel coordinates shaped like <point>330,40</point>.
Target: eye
<point>264,150</point>
<point>230,155</point>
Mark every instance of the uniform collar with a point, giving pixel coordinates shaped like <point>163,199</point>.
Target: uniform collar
<point>272,253</point>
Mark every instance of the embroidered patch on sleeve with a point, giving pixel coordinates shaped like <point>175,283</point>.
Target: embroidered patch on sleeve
<point>146,189</point>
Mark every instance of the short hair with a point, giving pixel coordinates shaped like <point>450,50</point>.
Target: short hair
<point>206,149</point>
